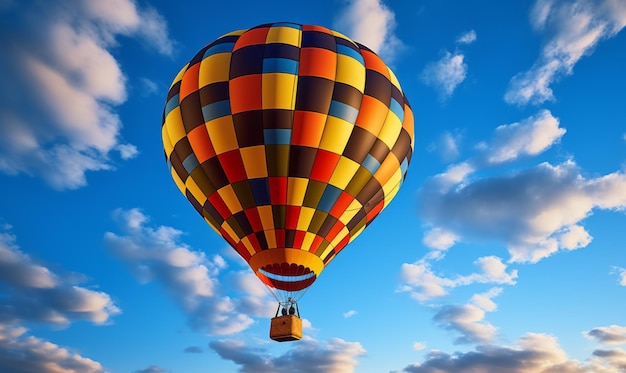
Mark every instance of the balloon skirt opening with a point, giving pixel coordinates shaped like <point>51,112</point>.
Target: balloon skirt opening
<point>286,328</point>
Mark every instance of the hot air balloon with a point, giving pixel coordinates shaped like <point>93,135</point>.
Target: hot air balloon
<point>288,140</point>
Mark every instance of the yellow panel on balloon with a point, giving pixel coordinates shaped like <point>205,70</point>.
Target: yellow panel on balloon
<point>308,240</point>
<point>174,126</point>
<point>391,130</point>
<point>195,190</point>
<point>231,232</point>
<point>279,82</point>
<point>394,80</point>
<point>168,147</point>
<point>336,135</point>
<point>305,217</point>
<point>343,173</point>
<point>230,199</point>
<point>254,161</point>
<point>387,169</point>
<point>222,134</point>
<point>296,189</point>
<point>352,210</point>
<point>248,245</point>
<point>179,182</point>
<point>284,35</point>
<point>351,72</point>
<point>270,237</point>
<point>342,233</point>
<point>214,69</point>
<point>267,217</point>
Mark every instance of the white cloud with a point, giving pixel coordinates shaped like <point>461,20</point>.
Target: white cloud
<point>446,74</point>
<point>127,151</point>
<point>440,240</point>
<point>609,335</point>
<point>152,369</point>
<point>575,28</point>
<point>536,212</point>
<point>32,292</point>
<point>527,138</point>
<point>22,353</point>
<point>621,272</point>
<point>371,23</point>
<point>419,280</point>
<point>60,59</point>
<point>349,314</point>
<point>189,276</point>
<point>307,356</point>
<point>533,353</point>
<point>419,346</point>
<point>447,146</point>
<point>468,37</point>
<point>468,319</point>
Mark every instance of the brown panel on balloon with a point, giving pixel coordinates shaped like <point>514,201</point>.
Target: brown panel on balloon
<point>249,128</point>
<point>191,111</point>
<point>359,144</point>
<point>301,161</point>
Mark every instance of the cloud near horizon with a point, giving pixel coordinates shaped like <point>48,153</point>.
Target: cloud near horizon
<point>56,113</point>
<point>32,293</point>
<point>308,356</point>
<point>574,29</point>
<point>533,353</point>
<point>22,353</point>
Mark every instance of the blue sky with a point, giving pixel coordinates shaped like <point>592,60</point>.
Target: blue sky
<point>503,251</point>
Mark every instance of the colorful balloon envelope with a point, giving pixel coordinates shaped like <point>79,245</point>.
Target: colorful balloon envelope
<point>288,140</point>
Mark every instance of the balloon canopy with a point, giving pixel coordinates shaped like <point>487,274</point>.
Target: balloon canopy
<point>288,140</point>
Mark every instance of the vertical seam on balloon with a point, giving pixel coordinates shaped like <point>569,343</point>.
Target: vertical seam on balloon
<point>368,203</point>
<point>326,128</point>
<point>289,191</point>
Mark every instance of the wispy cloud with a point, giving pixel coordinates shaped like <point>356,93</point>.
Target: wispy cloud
<point>536,212</point>
<point>608,335</point>
<point>152,369</point>
<point>447,146</point>
<point>373,24</point>
<point>468,319</point>
<point>308,356</point>
<point>533,353</point>
<point>423,284</point>
<point>61,84</point>
<point>349,314</point>
<point>189,276</point>
<point>34,293</point>
<point>445,74</point>
<point>468,37</point>
<point>574,29</point>
<point>621,273</point>
<point>194,350</point>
